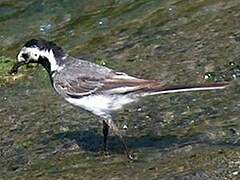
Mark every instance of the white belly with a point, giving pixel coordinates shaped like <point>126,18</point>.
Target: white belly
<point>101,104</point>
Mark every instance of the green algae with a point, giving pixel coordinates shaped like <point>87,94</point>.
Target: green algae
<point>5,66</point>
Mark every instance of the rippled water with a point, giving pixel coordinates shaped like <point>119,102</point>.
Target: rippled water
<point>181,136</point>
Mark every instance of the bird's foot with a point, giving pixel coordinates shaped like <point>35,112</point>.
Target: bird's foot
<point>105,153</point>
<point>131,156</point>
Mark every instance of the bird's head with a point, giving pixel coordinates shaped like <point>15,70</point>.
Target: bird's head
<point>42,52</point>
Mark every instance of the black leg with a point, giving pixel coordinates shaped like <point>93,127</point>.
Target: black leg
<point>105,135</point>
<point>109,124</point>
<point>129,155</point>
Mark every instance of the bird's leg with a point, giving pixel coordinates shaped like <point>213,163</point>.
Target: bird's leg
<point>116,131</point>
<point>105,135</point>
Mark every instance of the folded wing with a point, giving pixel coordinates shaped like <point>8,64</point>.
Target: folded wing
<point>112,83</point>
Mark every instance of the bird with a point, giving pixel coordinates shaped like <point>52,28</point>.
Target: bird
<point>95,88</point>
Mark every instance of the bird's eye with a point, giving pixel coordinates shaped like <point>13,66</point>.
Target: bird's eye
<point>35,55</point>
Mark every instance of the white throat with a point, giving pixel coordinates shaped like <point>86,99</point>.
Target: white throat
<point>51,58</point>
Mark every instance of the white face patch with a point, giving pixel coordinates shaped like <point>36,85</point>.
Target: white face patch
<point>34,53</point>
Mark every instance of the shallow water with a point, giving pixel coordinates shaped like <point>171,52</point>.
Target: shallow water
<point>181,136</point>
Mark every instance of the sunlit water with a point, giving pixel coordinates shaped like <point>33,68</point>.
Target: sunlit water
<point>183,136</point>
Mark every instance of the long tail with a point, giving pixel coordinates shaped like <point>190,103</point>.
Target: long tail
<point>178,89</point>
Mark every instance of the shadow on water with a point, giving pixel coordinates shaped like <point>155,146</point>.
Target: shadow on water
<point>92,141</point>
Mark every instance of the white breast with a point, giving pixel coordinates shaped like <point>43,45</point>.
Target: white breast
<point>101,104</point>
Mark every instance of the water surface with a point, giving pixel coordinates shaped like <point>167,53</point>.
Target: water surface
<point>180,136</point>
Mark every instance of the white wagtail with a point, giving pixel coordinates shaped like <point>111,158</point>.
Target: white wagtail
<point>95,88</point>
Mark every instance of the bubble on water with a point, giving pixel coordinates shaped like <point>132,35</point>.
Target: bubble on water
<point>172,10</point>
<point>148,117</point>
<point>192,122</point>
<point>232,63</point>
<point>139,109</point>
<point>209,76</point>
<point>46,27</point>
<point>103,23</point>
<point>64,129</point>
<point>234,76</point>
<point>206,76</point>
<point>235,173</point>
<point>71,33</point>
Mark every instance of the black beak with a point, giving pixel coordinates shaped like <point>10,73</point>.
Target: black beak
<point>24,60</point>
<point>14,69</point>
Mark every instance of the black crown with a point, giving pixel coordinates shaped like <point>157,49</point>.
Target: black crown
<point>46,45</point>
